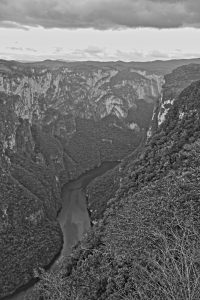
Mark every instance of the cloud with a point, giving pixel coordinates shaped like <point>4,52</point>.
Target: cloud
<point>30,50</point>
<point>15,48</point>
<point>139,55</point>
<point>58,49</point>
<point>11,24</point>
<point>90,53</point>
<point>100,14</point>
<point>101,54</point>
<point>21,49</point>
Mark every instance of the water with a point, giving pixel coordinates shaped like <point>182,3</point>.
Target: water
<point>74,218</point>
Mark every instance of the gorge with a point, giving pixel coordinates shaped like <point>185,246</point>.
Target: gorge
<point>58,122</point>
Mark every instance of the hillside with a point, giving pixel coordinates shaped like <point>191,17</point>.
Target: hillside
<point>147,245</point>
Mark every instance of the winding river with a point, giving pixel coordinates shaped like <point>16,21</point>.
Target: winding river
<point>74,217</point>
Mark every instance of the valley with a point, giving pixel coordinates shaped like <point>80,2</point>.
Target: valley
<point>79,142</point>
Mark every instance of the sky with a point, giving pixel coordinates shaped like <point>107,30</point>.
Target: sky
<point>103,30</point>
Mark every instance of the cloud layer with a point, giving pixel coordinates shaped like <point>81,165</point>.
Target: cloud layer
<point>100,14</point>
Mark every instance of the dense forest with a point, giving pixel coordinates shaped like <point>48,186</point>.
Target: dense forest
<point>146,245</point>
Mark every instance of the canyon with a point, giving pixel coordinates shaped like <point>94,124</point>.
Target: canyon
<point>59,121</point>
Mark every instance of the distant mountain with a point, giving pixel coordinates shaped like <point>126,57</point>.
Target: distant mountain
<point>159,67</point>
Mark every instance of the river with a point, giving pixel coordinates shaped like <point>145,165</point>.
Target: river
<point>74,217</point>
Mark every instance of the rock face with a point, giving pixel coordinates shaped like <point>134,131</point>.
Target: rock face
<point>88,93</point>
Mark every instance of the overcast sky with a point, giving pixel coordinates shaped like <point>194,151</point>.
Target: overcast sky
<point>137,30</point>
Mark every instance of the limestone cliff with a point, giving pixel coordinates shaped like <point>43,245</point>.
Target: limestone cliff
<point>93,93</point>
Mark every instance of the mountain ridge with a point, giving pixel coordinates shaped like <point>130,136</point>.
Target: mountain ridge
<point>162,66</point>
